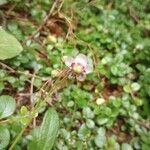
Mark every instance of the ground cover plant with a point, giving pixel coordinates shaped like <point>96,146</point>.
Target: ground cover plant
<point>74,75</point>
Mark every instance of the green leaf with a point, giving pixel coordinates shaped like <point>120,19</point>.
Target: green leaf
<point>135,86</point>
<point>4,137</point>
<point>24,112</point>
<point>9,45</point>
<point>45,136</point>
<point>37,83</point>
<point>88,113</point>
<point>126,146</point>
<point>83,132</point>
<point>101,131</point>
<point>100,139</point>
<point>70,104</point>
<point>7,106</point>
<point>101,121</point>
<point>1,86</point>
<point>138,101</point>
<point>90,123</point>
<point>127,88</point>
<point>65,134</point>
<point>81,103</point>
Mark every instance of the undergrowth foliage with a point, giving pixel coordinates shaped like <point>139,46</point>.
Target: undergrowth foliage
<point>74,75</point>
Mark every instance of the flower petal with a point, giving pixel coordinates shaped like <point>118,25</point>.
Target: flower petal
<point>68,61</point>
<point>100,101</point>
<point>81,59</point>
<point>89,68</point>
<point>81,77</point>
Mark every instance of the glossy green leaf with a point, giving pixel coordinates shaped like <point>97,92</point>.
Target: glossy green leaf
<point>45,136</point>
<point>4,137</point>
<point>7,106</point>
<point>135,86</point>
<point>9,45</point>
<point>24,112</point>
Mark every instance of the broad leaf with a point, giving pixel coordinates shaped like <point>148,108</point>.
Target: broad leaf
<point>9,45</point>
<point>44,137</point>
<point>4,137</point>
<point>7,106</point>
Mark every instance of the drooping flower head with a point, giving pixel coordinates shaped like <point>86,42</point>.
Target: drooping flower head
<point>79,66</point>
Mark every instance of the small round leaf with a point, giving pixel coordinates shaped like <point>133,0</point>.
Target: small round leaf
<point>7,106</point>
<point>135,86</point>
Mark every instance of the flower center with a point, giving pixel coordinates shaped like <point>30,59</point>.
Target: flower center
<point>77,68</point>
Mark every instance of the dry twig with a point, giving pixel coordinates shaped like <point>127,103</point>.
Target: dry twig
<point>19,72</point>
<point>50,13</point>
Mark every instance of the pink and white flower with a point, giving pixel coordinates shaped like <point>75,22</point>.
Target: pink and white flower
<point>79,66</point>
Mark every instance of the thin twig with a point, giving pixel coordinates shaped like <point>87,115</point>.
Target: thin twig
<point>35,109</point>
<point>19,72</point>
<point>140,122</point>
<point>132,15</point>
<point>31,97</point>
<point>53,90</point>
<point>31,87</point>
<point>46,85</point>
<point>19,136</point>
<point>7,67</point>
<point>11,9</point>
<point>70,31</point>
<point>145,125</point>
<point>43,24</point>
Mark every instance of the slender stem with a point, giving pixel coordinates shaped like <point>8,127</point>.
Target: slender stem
<point>19,136</point>
<point>11,120</point>
<point>35,109</point>
<point>5,121</point>
<point>141,123</point>
<point>31,98</point>
<point>46,87</point>
<point>73,113</point>
<point>54,89</point>
<point>37,106</point>
<point>19,72</point>
<point>31,89</point>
